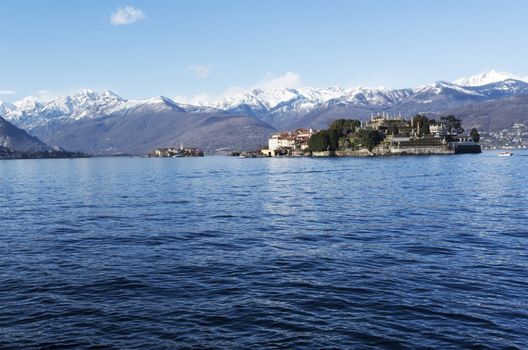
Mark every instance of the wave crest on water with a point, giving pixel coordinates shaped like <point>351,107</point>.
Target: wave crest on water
<point>225,253</point>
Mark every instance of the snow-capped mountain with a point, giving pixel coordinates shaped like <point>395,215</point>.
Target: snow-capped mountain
<point>281,108</point>
<point>105,123</point>
<point>30,113</point>
<point>6,107</point>
<point>272,99</point>
<point>285,108</point>
<point>488,78</point>
<point>501,89</point>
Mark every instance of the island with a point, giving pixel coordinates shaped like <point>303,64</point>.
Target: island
<point>382,135</point>
<point>173,152</point>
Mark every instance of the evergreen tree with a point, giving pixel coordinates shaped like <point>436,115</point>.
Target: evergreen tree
<point>369,138</point>
<point>423,122</point>
<point>345,126</point>
<point>452,124</point>
<point>474,134</point>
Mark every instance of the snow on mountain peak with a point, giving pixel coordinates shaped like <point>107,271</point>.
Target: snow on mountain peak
<point>487,78</point>
<point>110,93</point>
<point>27,103</point>
<point>30,111</point>
<point>284,103</point>
<point>266,99</point>
<point>6,107</point>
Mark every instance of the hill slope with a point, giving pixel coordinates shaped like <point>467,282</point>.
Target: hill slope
<point>17,139</point>
<point>145,127</point>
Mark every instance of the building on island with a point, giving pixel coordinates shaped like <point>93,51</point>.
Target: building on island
<point>381,135</point>
<point>173,152</point>
<point>438,130</point>
<point>419,135</point>
<point>288,142</point>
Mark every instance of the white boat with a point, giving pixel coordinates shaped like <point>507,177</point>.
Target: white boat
<point>505,154</point>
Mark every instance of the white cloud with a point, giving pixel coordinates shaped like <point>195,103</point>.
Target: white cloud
<point>126,15</point>
<point>272,81</point>
<point>199,99</point>
<point>269,82</point>
<point>7,92</point>
<point>206,99</point>
<point>200,71</point>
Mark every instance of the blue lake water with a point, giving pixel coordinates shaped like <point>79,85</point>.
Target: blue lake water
<point>218,252</point>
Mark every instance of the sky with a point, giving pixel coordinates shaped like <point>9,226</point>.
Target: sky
<point>207,49</point>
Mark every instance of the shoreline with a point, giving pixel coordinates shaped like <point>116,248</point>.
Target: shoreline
<point>318,155</point>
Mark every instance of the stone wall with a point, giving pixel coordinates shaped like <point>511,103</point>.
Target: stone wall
<point>323,154</point>
<point>414,150</point>
<point>351,153</point>
<point>390,151</point>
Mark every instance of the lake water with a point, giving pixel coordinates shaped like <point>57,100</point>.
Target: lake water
<point>218,252</point>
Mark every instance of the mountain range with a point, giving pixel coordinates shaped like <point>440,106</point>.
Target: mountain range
<point>105,123</point>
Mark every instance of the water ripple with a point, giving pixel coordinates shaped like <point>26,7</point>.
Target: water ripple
<point>399,253</point>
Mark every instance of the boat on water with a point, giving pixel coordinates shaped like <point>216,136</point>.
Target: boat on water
<point>505,154</point>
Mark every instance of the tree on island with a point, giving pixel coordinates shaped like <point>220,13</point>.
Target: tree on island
<point>324,140</point>
<point>344,134</point>
<point>423,123</point>
<point>474,134</point>
<point>369,138</point>
<point>318,141</point>
<point>332,138</point>
<point>452,124</point>
<point>345,126</point>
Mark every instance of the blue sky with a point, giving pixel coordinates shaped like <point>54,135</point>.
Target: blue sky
<point>211,47</point>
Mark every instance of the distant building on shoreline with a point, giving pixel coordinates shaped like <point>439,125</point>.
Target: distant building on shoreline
<point>382,135</point>
<point>418,135</point>
<point>173,152</point>
<point>288,142</point>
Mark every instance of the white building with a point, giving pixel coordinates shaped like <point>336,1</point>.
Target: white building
<point>288,141</point>
<point>281,140</point>
<point>438,130</point>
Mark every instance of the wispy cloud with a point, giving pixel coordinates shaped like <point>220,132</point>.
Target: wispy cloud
<point>7,92</point>
<point>269,82</point>
<point>273,81</point>
<point>200,71</point>
<point>126,15</point>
